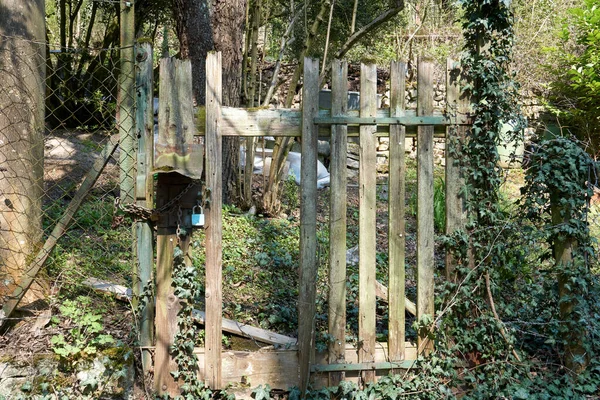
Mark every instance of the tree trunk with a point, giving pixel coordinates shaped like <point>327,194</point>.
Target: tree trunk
<point>22,91</point>
<point>218,25</point>
<point>227,20</point>
<point>192,24</point>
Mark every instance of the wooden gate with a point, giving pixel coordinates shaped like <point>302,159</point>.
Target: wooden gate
<point>298,365</point>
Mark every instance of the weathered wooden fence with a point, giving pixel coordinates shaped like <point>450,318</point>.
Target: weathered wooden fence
<point>296,365</point>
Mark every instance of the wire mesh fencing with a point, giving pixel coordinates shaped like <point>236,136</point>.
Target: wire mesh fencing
<point>59,164</point>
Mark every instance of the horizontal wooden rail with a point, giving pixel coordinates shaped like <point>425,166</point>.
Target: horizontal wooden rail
<point>284,122</point>
<point>406,121</point>
<point>372,366</point>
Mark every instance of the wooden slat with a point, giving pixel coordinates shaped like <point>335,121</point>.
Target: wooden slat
<point>167,306</point>
<point>396,225</point>
<point>458,105</point>
<point>252,332</point>
<point>425,232</point>
<point>337,221</point>
<point>308,221</point>
<point>175,147</point>
<point>145,195</point>
<point>367,219</point>
<point>286,122</point>
<point>278,367</point>
<point>213,226</point>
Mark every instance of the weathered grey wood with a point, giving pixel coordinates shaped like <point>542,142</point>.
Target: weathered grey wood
<point>175,148</point>
<point>286,122</point>
<point>278,367</point>
<point>337,222</point>
<point>381,292</point>
<point>252,332</point>
<point>144,190</point>
<point>457,105</point>
<point>124,293</point>
<point>308,222</point>
<point>367,219</point>
<point>425,232</point>
<point>396,225</point>
<point>126,115</point>
<point>213,226</point>
<point>59,229</point>
<point>166,308</point>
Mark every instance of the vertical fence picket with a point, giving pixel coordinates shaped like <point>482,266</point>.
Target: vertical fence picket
<point>425,232</point>
<point>337,221</point>
<point>166,301</point>
<point>367,219</point>
<point>308,221</point>
<point>396,225</point>
<point>213,226</point>
<point>457,105</point>
<point>145,194</point>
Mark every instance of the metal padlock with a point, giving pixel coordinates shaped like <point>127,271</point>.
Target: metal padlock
<point>197,217</point>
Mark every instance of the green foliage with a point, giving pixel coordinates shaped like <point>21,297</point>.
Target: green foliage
<point>84,339</point>
<point>574,92</point>
<point>187,291</point>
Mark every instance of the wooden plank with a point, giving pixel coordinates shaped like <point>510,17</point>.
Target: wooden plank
<point>59,229</point>
<point>308,222</point>
<point>458,105</point>
<point>175,147</point>
<point>286,122</point>
<point>278,367</point>
<point>381,291</point>
<point>367,219</point>
<point>364,366</point>
<point>402,120</point>
<point>213,226</point>
<point>167,306</point>
<point>252,332</point>
<point>396,209</point>
<point>144,190</point>
<point>261,335</point>
<point>337,221</point>
<point>425,232</point>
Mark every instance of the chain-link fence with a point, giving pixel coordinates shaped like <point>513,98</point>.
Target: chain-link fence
<point>59,164</point>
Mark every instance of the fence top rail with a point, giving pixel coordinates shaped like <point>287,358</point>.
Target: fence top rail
<point>283,122</point>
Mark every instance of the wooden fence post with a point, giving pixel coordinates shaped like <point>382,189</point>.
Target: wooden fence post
<point>145,195</point>
<point>213,226</point>
<point>396,225</point>
<point>337,221</point>
<point>425,232</point>
<point>367,245</point>
<point>127,162</point>
<point>308,222</point>
<point>175,152</point>
<point>458,105</point>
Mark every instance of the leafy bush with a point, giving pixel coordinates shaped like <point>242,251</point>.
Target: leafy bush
<point>574,96</point>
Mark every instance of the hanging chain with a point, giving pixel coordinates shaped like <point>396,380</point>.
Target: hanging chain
<point>143,213</point>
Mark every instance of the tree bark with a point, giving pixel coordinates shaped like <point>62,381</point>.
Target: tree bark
<point>219,25</point>
<point>22,90</point>
<point>227,21</point>
<point>192,24</point>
